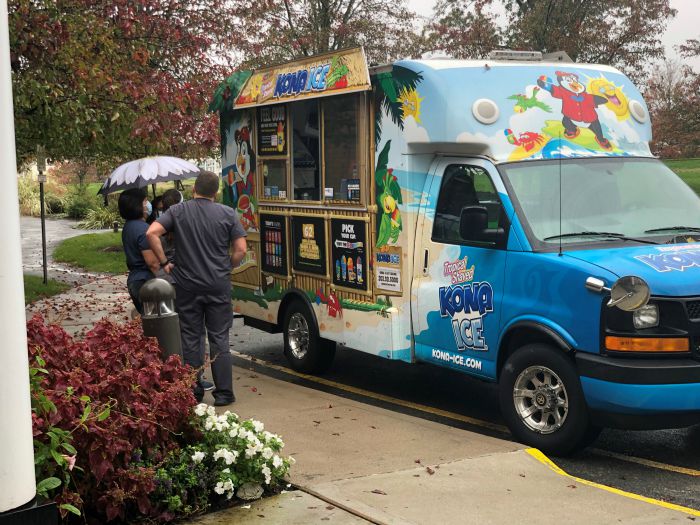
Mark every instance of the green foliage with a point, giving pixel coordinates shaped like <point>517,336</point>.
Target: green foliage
<point>98,80</point>
<point>80,202</point>
<point>28,194</point>
<point>95,252</point>
<point>231,454</point>
<point>55,204</point>
<point>54,453</point>
<point>35,289</point>
<point>101,218</point>
<point>29,197</point>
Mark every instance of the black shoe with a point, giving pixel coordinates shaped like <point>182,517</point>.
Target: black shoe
<point>221,402</point>
<point>206,385</point>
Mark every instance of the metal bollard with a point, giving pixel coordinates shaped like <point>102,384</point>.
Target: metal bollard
<point>159,318</point>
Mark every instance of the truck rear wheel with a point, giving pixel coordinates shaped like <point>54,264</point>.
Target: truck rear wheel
<point>305,350</point>
<point>542,400</point>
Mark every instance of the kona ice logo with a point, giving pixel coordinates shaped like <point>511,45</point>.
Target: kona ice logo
<point>672,260</point>
<point>466,303</point>
<point>457,271</point>
<point>302,81</point>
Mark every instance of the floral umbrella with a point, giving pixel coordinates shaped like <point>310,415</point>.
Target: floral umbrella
<point>149,170</point>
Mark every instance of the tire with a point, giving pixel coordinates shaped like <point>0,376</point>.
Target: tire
<point>542,400</point>
<point>305,350</point>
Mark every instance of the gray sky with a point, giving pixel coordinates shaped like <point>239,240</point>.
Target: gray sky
<point>686,25</point>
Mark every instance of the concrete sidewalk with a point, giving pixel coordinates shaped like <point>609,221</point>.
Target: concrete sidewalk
<point>357,463</point>
<point>388,467</point>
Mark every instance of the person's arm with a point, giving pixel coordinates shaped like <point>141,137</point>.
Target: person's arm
<point>153,235</point>
<point>238,250</point>
<point>151,260</point>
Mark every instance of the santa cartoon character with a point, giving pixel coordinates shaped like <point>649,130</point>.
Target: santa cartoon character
<point>577,106</point>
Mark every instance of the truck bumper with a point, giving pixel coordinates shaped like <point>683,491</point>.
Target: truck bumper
<point>640,393</point>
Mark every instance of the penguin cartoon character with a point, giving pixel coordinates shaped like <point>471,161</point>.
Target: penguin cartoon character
<point>244,178</point>
<point>577,106</point>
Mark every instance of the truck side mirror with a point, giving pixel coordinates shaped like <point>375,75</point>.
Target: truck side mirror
<point>474,226</point>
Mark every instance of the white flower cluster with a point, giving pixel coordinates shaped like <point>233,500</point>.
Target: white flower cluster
<point>225,487</point>
<point>246,447</point>
<point>229,456</point>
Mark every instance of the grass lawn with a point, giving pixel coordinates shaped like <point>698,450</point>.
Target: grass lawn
<point>35,289</point>
<point>688,170</point>
<point>95,252</point>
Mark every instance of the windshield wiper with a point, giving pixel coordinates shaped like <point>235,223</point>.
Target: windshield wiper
<point>674,229</point>
<point>619,236</point>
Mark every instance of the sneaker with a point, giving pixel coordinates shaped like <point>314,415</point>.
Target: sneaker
<point>220,402</point>
<point>206,385</point>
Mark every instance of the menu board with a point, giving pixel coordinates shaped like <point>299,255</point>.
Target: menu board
<point>273,239</point>
<point>309,242</point>
<point>272,130</point>
<point>348,253</point>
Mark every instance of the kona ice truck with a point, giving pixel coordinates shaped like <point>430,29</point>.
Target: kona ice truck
<point>503,217</point>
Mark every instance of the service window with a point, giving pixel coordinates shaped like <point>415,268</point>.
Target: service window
<point>306,150</point>
<point>274,178</point>
<point>464,185</point>
<point>341,147</point>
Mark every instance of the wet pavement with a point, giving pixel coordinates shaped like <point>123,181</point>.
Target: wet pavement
<point>57,230</point>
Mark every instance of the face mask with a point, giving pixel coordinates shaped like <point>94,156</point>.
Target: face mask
<point>149,208</point>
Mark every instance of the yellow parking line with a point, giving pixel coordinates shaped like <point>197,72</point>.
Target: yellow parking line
<point>457,417</point>
<point>380,397</point>
<point>539,456</point>
<point>647,462</point>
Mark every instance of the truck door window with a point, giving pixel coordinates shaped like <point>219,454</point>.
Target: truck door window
<point>340,147</point>
<point>462,186</point>
<point>306,147</point>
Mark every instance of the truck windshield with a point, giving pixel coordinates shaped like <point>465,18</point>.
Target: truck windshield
<point>628,199</point>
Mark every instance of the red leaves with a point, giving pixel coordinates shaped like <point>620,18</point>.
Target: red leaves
<point>150,401</point>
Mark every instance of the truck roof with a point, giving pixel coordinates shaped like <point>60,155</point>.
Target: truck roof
<point>520,110</point>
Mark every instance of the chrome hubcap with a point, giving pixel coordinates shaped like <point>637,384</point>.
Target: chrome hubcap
<point>540,399</point>
<point>298,336</point>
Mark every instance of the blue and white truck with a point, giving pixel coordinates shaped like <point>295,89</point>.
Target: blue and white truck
<point>501,217</point>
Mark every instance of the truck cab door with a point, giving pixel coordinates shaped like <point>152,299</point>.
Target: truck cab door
<point>459,273</point>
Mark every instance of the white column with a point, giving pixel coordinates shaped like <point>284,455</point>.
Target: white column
<point>17,483</point>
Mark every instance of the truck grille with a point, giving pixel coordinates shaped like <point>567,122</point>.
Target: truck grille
<point>693,309</point>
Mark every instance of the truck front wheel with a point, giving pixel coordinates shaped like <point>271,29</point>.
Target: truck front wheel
<point>542,400</point>
<point>305,350</point>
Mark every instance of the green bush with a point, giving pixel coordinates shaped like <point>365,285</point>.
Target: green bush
<point>28,194</point>
<point>101,218</point>
<point>54,203</point>
<point>80,203</point>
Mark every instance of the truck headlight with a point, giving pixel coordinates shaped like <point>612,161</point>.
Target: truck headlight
<point>646,317</point>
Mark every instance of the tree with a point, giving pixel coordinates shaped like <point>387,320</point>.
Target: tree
<point>271,31</point>
<point>462,29</point>
<point>674,105</point>
<point>625,33</point>
<point>116,79</point>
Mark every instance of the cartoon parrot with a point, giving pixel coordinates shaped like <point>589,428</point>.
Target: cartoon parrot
<point>523,103</point>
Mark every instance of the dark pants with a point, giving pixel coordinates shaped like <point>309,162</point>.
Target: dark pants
<point>134,289</point>
<point>214,312</point>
